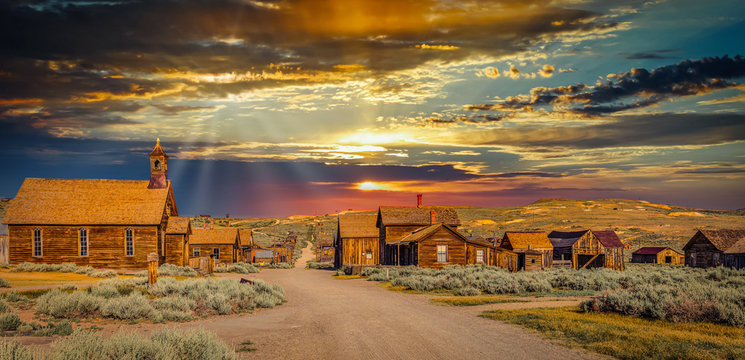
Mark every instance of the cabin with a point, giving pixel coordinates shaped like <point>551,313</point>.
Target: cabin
<point>282,252</point>
<point>707,247</point>
<point>325,251</point>
<point>436,246</point>
<point>262,256</point>
<point>396,222</point>
<point>585,249</point>
<point>526,244</point>
<point>657,255</point>
<point>505,259</point>
<point>222,244</point>
<point>246,244</point>
<point>479,251</point>
<point>178,231</point>
<point>94,222</point>
<point>735,256</point>
<point>356,240</point>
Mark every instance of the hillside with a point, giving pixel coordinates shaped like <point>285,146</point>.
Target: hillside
<point>639,223</point>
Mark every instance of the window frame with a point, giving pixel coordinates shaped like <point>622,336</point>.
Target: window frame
<point>445,253</point>
<point>216,253</point>
<point>34,247</point>
<point>129,236</point>
<point>368,255</point>
<point>83,236</point>
<point>195,252</point>
<point>480,254</point>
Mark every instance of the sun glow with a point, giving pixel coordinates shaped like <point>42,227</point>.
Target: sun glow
<point>369,185</point>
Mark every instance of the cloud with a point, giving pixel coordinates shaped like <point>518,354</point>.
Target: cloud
<point>547,71</point>
<point>490,72</point>
<point>642,87</point>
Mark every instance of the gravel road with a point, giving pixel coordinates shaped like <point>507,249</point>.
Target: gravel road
<point>326,318</point>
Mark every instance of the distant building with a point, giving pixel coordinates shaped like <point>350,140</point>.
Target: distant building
<point>534,250</point>
<point>587,249</point>
<point>357,240</point>
<point>657,255</point>
<point>221,243</point>
<point>707,247</point>
<point>437,246</point>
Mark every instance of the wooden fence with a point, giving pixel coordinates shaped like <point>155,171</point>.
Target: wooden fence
<point>3,249</point>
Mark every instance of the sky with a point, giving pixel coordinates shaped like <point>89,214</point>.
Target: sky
<point>275,108</point>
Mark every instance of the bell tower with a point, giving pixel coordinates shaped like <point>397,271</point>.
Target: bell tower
<point>158,168</point>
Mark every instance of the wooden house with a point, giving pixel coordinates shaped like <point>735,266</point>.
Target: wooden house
<point>396,222</point>
<point>525,244</point>
<point>282,252</point>
<point>735,255</point>
<point>178,231</point>
<point>246,244</point>
<point>657,255</point>
<point>479,251</point>
<point>587,249</point>
<point>262,256</point>
<point>505,259</point>
<point>221,243</point>
<point>101,223</point>
<point>707,247</point>
<point>325,251</point>
<point>356,240</point>
<point>437,246</point>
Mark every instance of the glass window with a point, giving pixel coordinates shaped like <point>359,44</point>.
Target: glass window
<point>196,251</point>
<point>442,253</point>
<point>480,255</point>
<point>216,252</point>
<point>368,255</point>
<point>129,242</point>
<point>37,242</point>
<point>83,242</point>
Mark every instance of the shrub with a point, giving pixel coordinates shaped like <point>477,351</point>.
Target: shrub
<point>279,266</point>
<point>320,265</point>
<point>14,296</point>
<point>4,283</point>
<point>469,291</point>
<point>175,315</point>
<point>174,303</point>
<point>102,273</point>
<point>12,350</point>
<point>134,306</point>
<point>171,270</point>
<point>4,307</point>
<point>238,268</point>
<point>9,322</point>
<point>104,291</point>
<point>68,287</point>
<point>61,304</point>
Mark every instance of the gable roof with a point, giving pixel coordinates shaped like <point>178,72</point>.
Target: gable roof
<point>358,225</point>
<point>527,239</point>
<point>721,239</point>
<point>88,202</point>
<point>479,240</point>
<point>565,238</point>
<point>224,236</point>
<point>737,248</point>
<point>650,250</point>
<point>424,232</point>
<point>608,238</point>
<point>178,225</point>
<point>246,237</point>
<point>411,215</point>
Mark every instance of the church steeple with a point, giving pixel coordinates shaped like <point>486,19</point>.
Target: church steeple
<point>158,168</point>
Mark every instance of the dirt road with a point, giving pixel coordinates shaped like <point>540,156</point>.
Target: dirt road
<point>326,318</point>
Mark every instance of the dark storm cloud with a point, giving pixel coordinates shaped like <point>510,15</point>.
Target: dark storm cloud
<point>625,131</point>
<point>642,87</point>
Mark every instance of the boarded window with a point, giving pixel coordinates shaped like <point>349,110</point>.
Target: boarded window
<point>216,253</point>
<point>442,253</point>
<point>37,242</point>
<point>196,251</point>
<point>368,255</point>
<point>479,255</point>
<point>129,247</point>
<point>83,240</point>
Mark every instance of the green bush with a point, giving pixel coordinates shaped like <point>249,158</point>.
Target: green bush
<point>176,315</point>
<point>132,307</point>
<point>102,273</point>
<point>9,322</point>
<point>12,350</point>
<point>68,287</point>
<point>174,303</point>
<point>320,265</point>
<point>4,283</point>
<point>279,266</point>
<point>238,268</point>
<point>4,307</point>
<point>171,270</point>
<point>64,267</point>
<point>60,304</point>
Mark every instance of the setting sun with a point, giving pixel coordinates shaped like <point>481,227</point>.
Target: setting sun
<point>369,185</point>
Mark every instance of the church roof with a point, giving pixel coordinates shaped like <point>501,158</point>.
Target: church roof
<point>158,150</point>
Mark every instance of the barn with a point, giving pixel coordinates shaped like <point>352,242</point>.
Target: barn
<point>657,255</point>
<point>587,249</point>
<point>221,243</point>
<point>526,244</point>
<point>357,240</point>
<point>436,246</point>
<point>396,222</point>
<point>707,247</point>
<point>95,222</point>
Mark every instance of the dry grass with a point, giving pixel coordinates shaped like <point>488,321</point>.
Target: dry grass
<point>625,337</point>
<point>474,300</point>
<point>347,277</point>
<point>404,289</point>
<point>18,279</point>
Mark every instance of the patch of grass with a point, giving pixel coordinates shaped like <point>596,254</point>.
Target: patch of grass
<point>347,277</point>
<point>17,279</point>
<point>33,294</point>
<point>474,300</point>
<point>404,289</point>
<point>625,337</point>
<point>246,346</point>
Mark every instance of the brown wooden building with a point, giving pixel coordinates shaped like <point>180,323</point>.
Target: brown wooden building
<point>357,240</point>
<point>437,246</point>
<point>177,240</point>
<point>246,244</point>
<point>587,249</point>
<point>505,259</point>
<point>707,247</point>
<point>222,243</point>
<point>525,244</point>
<point>101,223</point>
<point>657,255</point>
<point>396,222</point>
<point>735,255</point>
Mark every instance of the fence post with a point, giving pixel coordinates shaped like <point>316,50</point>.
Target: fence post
<point>152,268</point>
<point>386,273</point>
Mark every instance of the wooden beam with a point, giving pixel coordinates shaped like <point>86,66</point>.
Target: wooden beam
<point>589,261</point>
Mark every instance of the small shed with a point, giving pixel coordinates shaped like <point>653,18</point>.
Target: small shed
<point>585,249</point>
<point>524,243</point>
<point>178,232</point>
<point>612,248</point>
<point>657,255</point>
<point>263,256</point>
<point>735,255</point>
<point>707,247</point>
<point>246,243</point>
<point>221,243</point>
<point>437,246</point>
<point>505,259</point>
<point>357,240</point>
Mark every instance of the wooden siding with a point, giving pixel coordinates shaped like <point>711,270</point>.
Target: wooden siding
<point>471,254</point>
<point>701,253</point>
<point>505,259</point>
<point>427,250</point>
<point>228,253</point>
<point>176,250</point>
<point>589,244</point>
<point>105,245</point>
<point>389,234</point>
<point>353,251</point>
<point>3,249</point>
<point>661,258</point>
<point>531,262</point>
<point>736,261</point>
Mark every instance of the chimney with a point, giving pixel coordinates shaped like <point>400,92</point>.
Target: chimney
<point>418,200</point>
<point>212,223</point>
<point>432,217</point>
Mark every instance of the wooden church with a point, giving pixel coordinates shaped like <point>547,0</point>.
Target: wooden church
<point>101,223</point>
